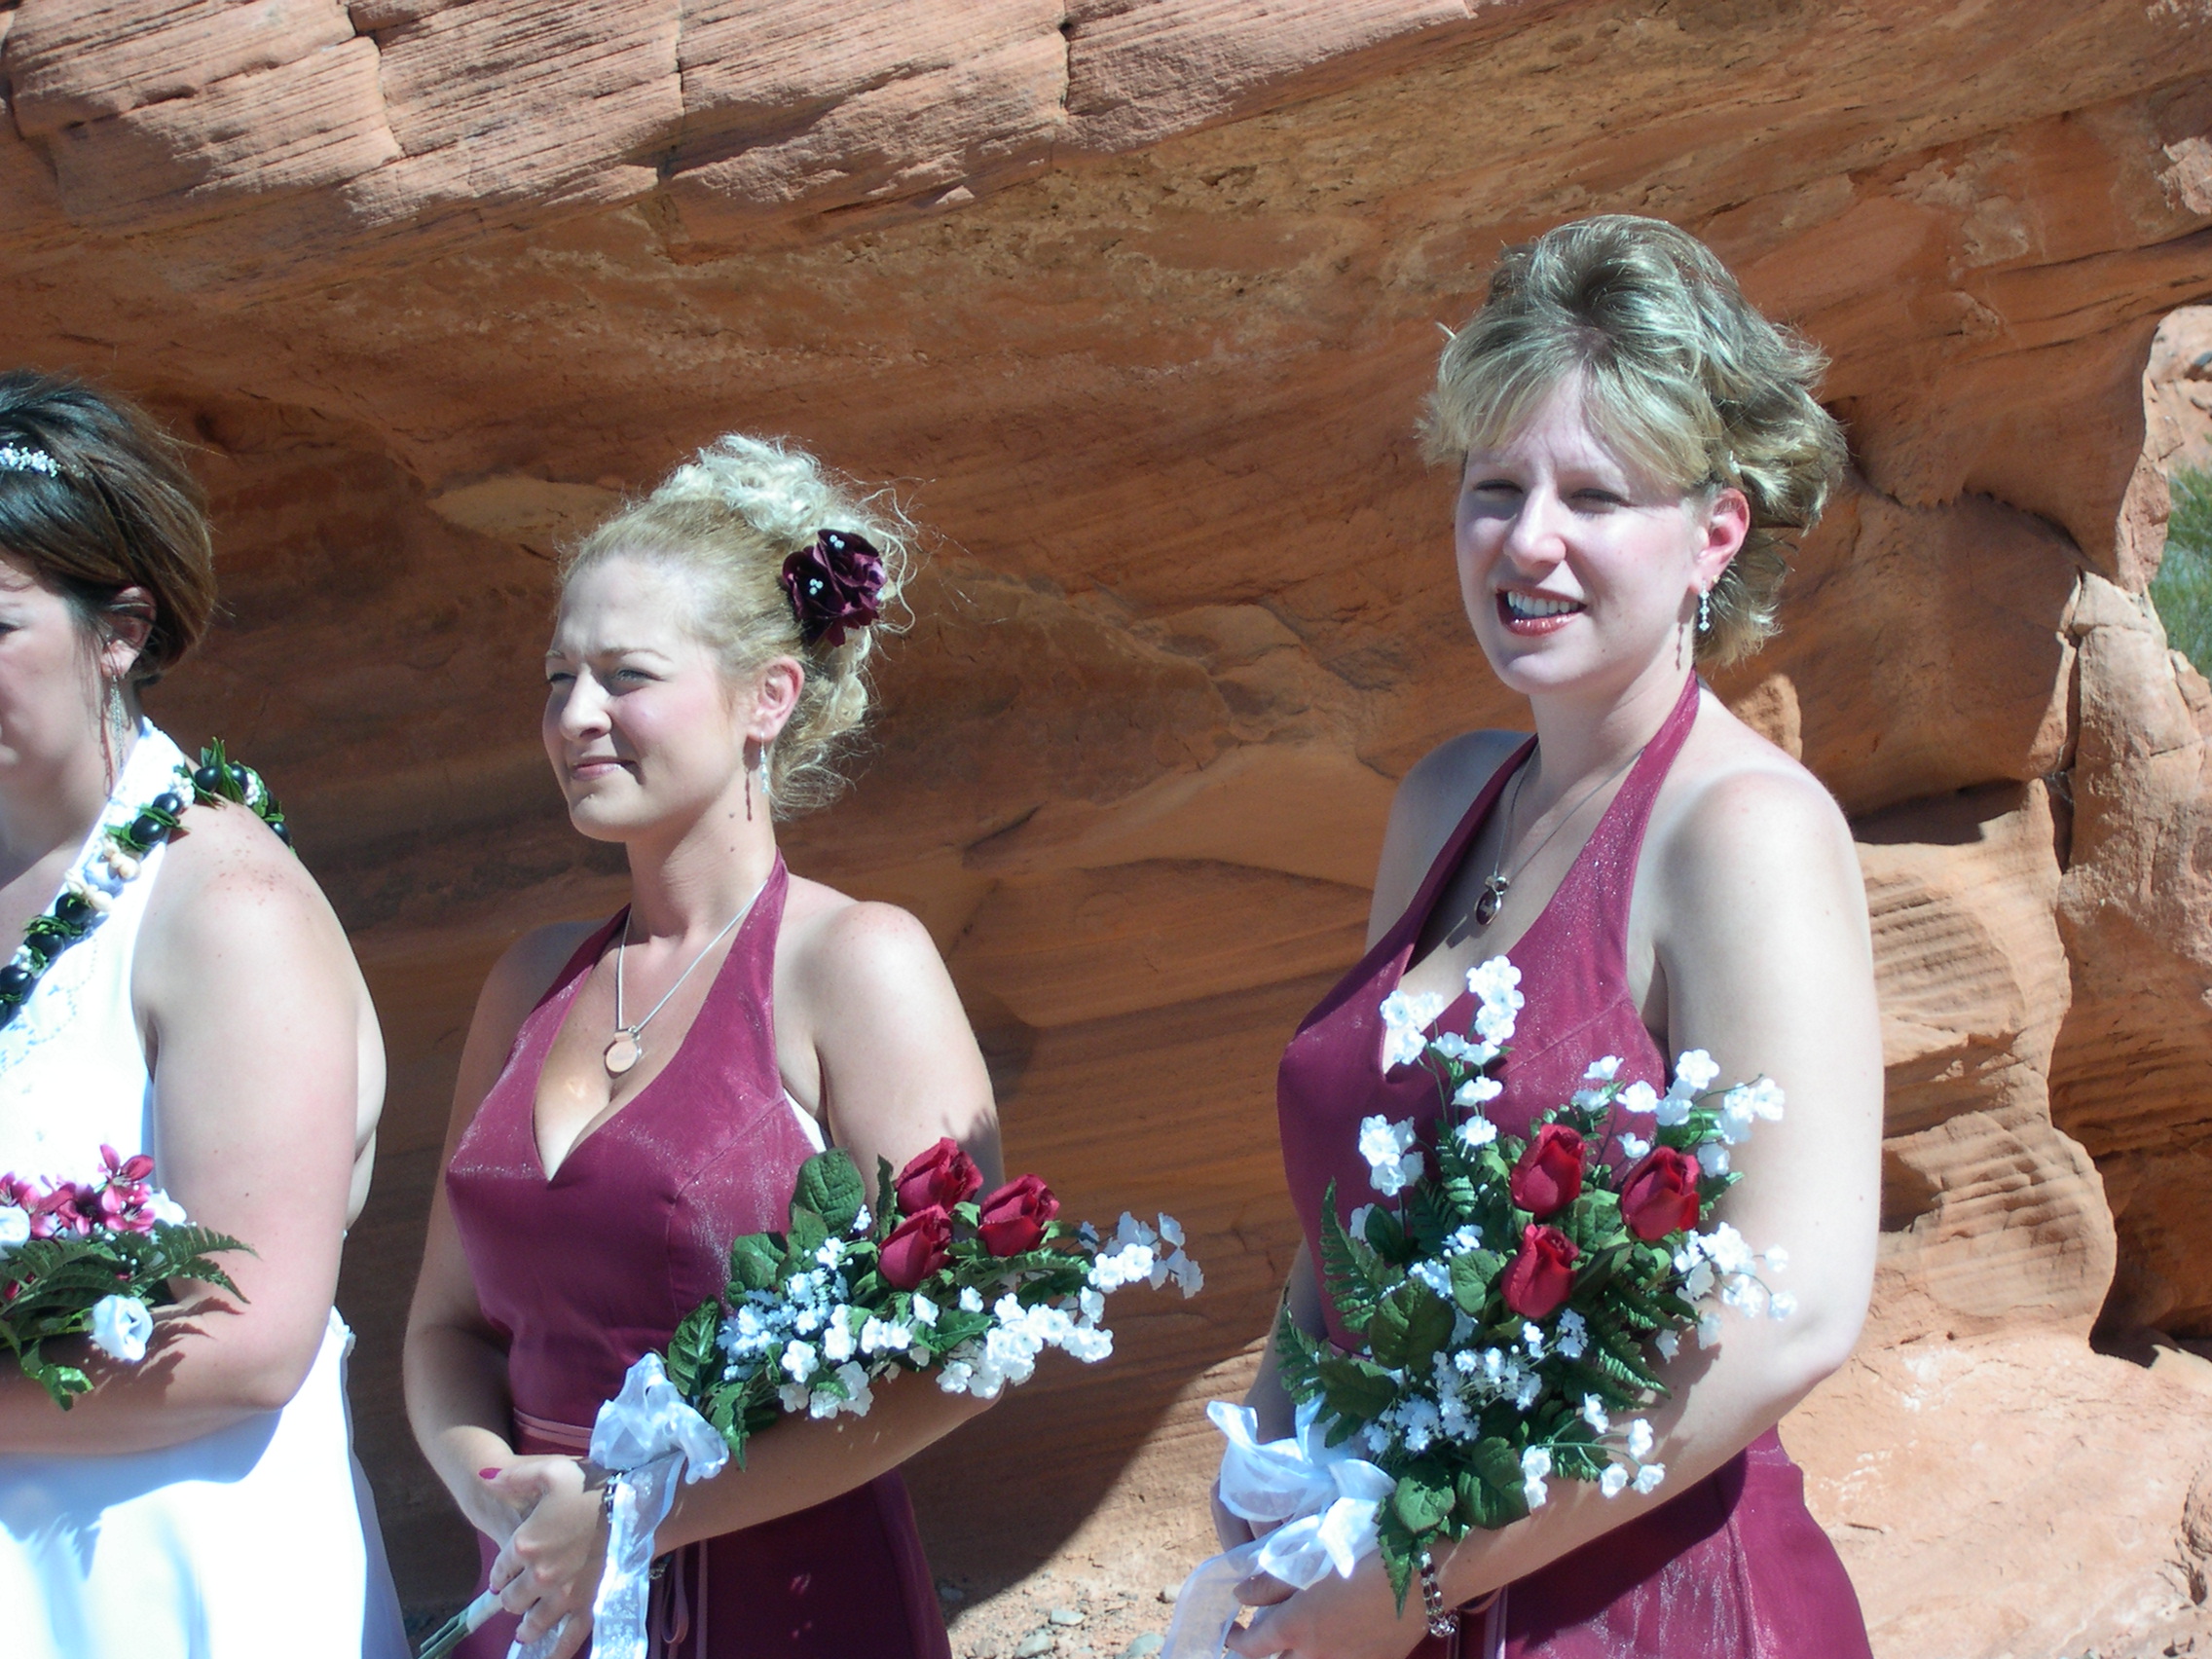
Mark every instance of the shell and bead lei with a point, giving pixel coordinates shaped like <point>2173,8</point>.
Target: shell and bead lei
<point>90,890</point>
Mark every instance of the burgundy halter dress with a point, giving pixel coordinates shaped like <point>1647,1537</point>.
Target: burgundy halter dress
<point>1733,1567</point>
<point>584,1273</point>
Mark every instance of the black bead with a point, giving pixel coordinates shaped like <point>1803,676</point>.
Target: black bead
<point>168,803</point>
<point>148,831</point>
<point>71,908</point>
<point>208,780</point>
<point>16,980</point>
<point>282,833</point>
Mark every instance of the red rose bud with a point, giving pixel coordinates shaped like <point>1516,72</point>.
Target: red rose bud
<point>1659,1194</point>
<point>1014,1217</point>
<point>917,1247</point>
<point>1542,1275</point>
<point>1549,1176</point>
<point>944,1176</point>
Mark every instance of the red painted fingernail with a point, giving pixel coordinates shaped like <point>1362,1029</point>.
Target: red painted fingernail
<point>487,1474</point>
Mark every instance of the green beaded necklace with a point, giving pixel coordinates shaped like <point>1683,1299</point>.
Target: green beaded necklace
<point>80,907</point>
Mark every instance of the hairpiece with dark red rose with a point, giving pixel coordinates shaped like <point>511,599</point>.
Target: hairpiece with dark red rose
<point>835,585</point>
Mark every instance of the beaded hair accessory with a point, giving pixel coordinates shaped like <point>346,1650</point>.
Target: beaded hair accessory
<point>15,457</point>
<point>835,585</point>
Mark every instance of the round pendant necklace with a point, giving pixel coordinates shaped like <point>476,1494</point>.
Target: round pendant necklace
<point>627,1047</point>
<point>1491,898</point>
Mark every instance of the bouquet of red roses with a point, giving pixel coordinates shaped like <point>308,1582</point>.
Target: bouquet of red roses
<point>1511,1303</point>
<point>93,1259</point>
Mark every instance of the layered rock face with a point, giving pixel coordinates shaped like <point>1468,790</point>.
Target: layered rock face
<point>1137,299</point>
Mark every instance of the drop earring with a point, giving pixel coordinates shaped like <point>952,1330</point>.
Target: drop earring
<point>1705,612</point>
<point>766,798</point>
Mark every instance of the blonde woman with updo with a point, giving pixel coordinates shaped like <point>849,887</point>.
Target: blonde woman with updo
<point>636,1093</point>
<point>1635,444</point>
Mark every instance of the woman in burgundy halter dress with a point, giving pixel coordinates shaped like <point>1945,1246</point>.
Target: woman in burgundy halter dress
<point>636,1093</point>
<point>1632,436</point>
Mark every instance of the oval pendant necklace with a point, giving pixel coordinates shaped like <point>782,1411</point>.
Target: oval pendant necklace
<point>1491,898</point>
<point>627,1047</point>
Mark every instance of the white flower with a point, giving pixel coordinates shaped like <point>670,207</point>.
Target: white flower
<point>1638,1097</point>
<point>1633,1147</point>
<point>856,1399</point>
<point>1537,1462</point>
<point>1668,1343</point>
<point>1355,1223</point>
<point>1594,1414</point>
<point>877,1336</point>
<point>15,1227</point>
<point>1435,1275</point>
<point>164,1209</point>
<point>1405,1019</point>
<point>1765,1098</point>
<point>1707,1329</point>
<point>1694,1072</point>
<point>1171,1230</point>
<point>1573,1334</point>
<point>121,1325</point>
<point>1393,1159</point>
<point>1648,1477</point>
<point>862,1222</point>
<point>1697,1284</point>
<point>1742,1292</point>
<point>793,1396</point>
<point>971,1301</point>
<point>1725,1249</point>
<point>1478,1131</point>
<point>1478,1092</point>
<point>1780,1305</point>
<point>1613,1480</point>
<point>925,1311</point>
<point>1674,1110</point>
<point>1495,984</point>
<point>1473,1055</point>
<point>837,1339</point>
<point>1712,1158</point>
<point>830,1254</point>
<point>1092,1304</point>
<point>1777,1258</point>
<point>1532,1339</point>
<point>801,1360</point>
<point>1605,1070</point>
<point>1736,1116</point>
<point>1640,1439</point>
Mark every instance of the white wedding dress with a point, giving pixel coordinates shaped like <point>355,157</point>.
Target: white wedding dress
<point>255,1541</point>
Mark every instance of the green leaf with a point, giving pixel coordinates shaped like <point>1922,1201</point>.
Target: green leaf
<point>1473,1273</point>
<point>1354,1388</point>
<point>691,1350</point>
<point>1384,1235</point>
<point>809,1233</point>
<point>756,1261</point>
<point>1479,1503</point>
<point>1398,1551</point>
<point>1353,1276</point>
<point>831,1188</point>
<point>1409,1326</point>
<point>1424,1498</point>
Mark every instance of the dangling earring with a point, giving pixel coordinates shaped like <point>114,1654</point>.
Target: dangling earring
<point>766,800</point>
<point>115,727</point>
<point>1705,612</point>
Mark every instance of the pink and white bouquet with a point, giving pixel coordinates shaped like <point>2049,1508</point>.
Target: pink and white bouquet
<point>1511,1301</point>
<point>93,1259</point>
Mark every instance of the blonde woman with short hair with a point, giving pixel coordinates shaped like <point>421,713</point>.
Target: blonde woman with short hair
<point>1636,446</point>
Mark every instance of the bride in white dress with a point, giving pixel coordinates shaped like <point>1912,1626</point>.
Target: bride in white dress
<point>203,1504</point>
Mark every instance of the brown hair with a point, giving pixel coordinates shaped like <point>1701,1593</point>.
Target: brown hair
<point>118,509</point>
<point>1677,367</point>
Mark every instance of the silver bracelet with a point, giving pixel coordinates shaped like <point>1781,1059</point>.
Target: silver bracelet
<point>1443,1621</point>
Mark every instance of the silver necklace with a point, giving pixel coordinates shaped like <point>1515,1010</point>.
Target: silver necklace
<point>626,1049</point>
<point>1491,898</point>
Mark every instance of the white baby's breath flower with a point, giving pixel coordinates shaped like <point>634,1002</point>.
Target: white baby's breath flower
<point>879,1336</point>
<point>1634,1147</point>
<point>1694,1072</point>
<point>1638,1096</point>
<point>837,1339</point>
<point>1537,1461</point>
<point>971,1301</point>
<point>1780,1305</point>
<point>1640,1439</point>
<point>800,1361</point>
<point>1736,1116</point>
<point>1668,1343</point>
<point>1742,1292</point>
<point>1496,986</point>
<point>1648,1477</point>
<point>1573,1334</point>
<point>1478,1092</point>
<point>15,1227</point>
<point>1605,1070</point>
<point>1393,1157</point>
<point>1775,1258</point>
<point>1712,1158</point>
<point>1673,1110</point>
<point>164,1209</point>
<point>1697,1284</point>
<point>1613,1482</point>
<point>1405,1019</point>
<point>1707,1329</point>
<point>1478,1131</point>
<point>1594,1414</point>
<point>925,1311</point>
<point>793,1396</point>
<point>833,1252</point>
<point>1171,1230</point>
<point>1724,1248</point>
<point>861,1222</point>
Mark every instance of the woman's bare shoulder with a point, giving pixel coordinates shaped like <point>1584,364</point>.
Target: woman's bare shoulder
<point>842,946</point>
<point>1742,812</point>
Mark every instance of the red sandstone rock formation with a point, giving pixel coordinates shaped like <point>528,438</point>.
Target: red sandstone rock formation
<point>1140,297</point>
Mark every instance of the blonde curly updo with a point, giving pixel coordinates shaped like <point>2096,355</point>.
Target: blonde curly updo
<point>1678,370</point>
<point>729,519</point>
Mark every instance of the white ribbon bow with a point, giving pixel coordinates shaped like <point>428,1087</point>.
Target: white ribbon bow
<point>643,1438</point>
<point>1320,1500</point>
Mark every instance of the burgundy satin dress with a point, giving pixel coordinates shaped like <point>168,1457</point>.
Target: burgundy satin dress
<point>584,1274</point>
<point>1733,1567</point>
